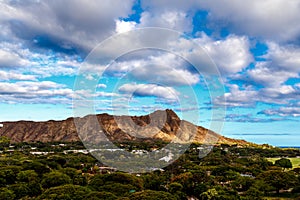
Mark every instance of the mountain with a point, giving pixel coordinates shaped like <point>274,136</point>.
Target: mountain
<point>164,125</point>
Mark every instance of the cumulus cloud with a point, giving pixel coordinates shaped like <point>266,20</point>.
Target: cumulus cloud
<point>176,20</point>
<point>42,39</point>
<point>284,57</point>
<point>11,60</point>
<point>48,92</point>
<point>68,23</point>
<point>161,68</point>
<point>249,118</point>
<point>269,78</point>
<point>266,74</point>
<point>283,111</point>
<point>270,19</point>
<point>124,26</point>
<point>101,85</point>
<point>149,90</point>
<point>237,98</point>
<point>18,59</point>
<point>28,88</point>
<point>249,97</point>
<point>11,75</point>
<point>231,54</point>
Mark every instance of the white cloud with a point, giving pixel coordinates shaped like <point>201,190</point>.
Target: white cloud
<point>266,74</point>
<point>283,111</point>
<point>161,5</point>
<point>237,97</point>
<point>25,90</point>
<point>176,20</point>
<point>45,92</point>
<point>69,22</point>
<point>61,24</point>
<point>270,77</point>
<point>10,59</point>
<point>281,64</point>
<point>101,85</point>
<point>124,26</point>
<point>105,94</point>
<point>148,90</point>
<point>22,60</point>
<point>278,92</point>
<point>269,19</point>
<point>12,75</point>
<point>249,97</point>
<point>163,68</point>
<point>49,92</point>
<point>285,58</point>
<point>231,55</point>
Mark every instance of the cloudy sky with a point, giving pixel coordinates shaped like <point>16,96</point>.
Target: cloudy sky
<point>255,47</point>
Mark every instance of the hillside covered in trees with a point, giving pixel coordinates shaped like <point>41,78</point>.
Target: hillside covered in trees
<point>67,171</point>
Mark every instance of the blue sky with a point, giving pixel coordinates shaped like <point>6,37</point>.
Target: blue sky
<point>255,46</point>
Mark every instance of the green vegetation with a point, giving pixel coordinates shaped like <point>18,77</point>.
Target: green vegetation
<point>59,171</point>
<point>295,161</point>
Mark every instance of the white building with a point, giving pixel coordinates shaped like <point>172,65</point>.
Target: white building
<point>1,125</point>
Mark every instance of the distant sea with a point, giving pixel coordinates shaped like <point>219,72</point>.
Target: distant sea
<point>289,147</point>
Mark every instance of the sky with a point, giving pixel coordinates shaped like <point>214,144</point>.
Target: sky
<point>103,55</point>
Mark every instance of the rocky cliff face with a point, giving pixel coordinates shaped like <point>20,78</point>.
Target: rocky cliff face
<point>164,125</point>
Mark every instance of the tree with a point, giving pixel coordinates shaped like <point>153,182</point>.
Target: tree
<point>124,178</point>
<point>4,142</point>
<point>8,175</point>
<point>152,195</point>
<point>7,194</point>
<point>55,178</point>
<point>100,196</point>
<point>27,176</point>
<point>242,183</point>
<point>262,186</point>
<point>186,180</point>
<point>31,181</point>
<point>58,159</point>
<point>279,179</point>
<point>96,182</point>
<point>34,189</point>
<point>176,189</point>
<point>65,192</point>
<point>118,189</point>
<point>80,179</point>
<point>220,193</point>
<point>20,190</point>
<point>71,172</point>
<point>284,163</point>
<point>210,194</point>
<point>38,167</point>
<point>118,177</point>
<point>254,194</point>
<point>153,181</point>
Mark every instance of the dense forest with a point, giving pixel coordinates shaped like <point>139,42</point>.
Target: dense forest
<point>60,171</point>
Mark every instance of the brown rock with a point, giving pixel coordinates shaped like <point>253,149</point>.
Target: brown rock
<point>164,125</point>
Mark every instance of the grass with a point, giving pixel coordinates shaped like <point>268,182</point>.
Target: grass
<point>295,161</point>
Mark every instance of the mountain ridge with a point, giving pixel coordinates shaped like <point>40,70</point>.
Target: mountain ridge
<point>161,124</point>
